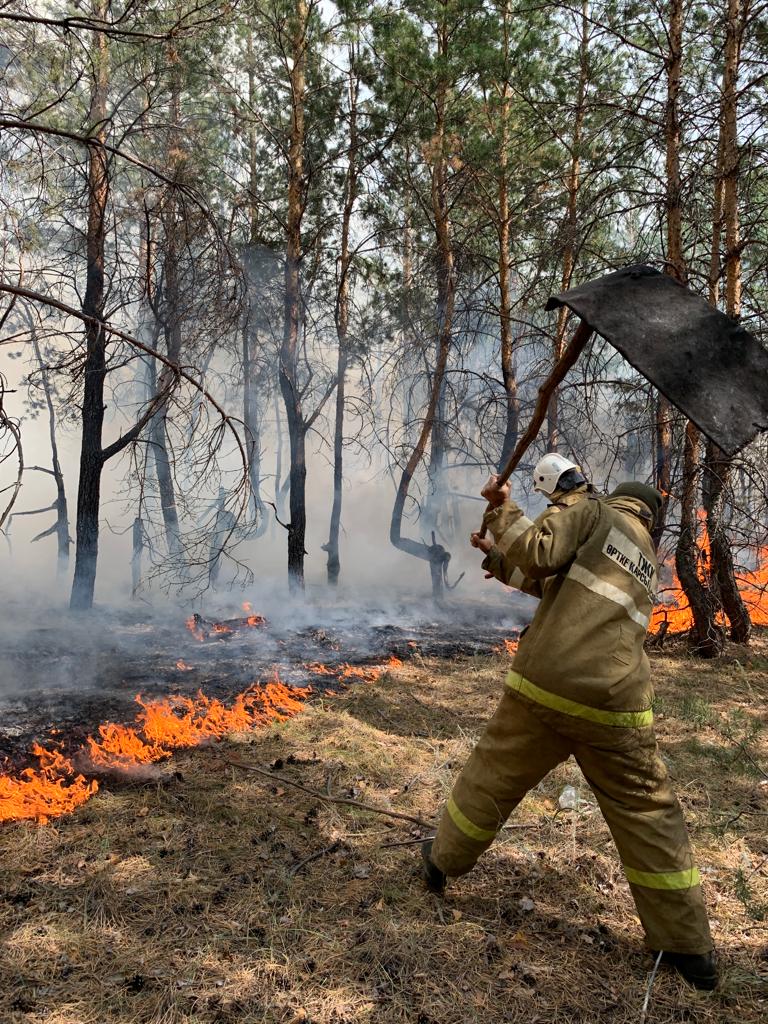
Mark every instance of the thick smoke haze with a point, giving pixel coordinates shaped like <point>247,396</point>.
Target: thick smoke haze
<point>372,570</point>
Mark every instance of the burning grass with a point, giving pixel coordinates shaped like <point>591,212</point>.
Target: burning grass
<point>225,897</point>
<point>57,784</point>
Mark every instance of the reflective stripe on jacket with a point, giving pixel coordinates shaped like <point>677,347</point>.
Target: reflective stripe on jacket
<point>585,643</point>
<point>500,521</point>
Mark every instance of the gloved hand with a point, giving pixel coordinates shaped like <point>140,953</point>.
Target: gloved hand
<point>494,494</point>
<point>484,543</point>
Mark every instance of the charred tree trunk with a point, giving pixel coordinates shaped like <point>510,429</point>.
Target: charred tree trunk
<point>252,427</point>
<point>508,370</point>
<point>333,565</point>
<point>61,525</point>
<point>137,538</point>
<point>171,315</point>
<point>251,417</point>
<point>446,300</point>
<point>676,266</point>
<point>573,183</point>
<point>706,639</point>
<point>434,553</point>
<point>279,485</point>
<point>717,470</point>
<point>91,454</point>
<point>289,363</point>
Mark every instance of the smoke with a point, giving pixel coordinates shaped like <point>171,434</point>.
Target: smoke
<point>371,567</point>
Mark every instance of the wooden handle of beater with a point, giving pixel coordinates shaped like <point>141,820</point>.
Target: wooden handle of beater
<point>572,351</point>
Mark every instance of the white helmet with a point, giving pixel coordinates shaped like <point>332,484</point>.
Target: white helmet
<point>548,471</point>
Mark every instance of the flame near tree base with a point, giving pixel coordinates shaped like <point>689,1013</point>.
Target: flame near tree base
<point>675,610</point>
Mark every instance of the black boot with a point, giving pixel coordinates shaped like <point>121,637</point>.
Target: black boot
<point>433,876</point>
<point>698,969</point>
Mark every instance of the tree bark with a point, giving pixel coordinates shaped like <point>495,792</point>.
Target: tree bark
<point>137,538</point>
<point>333,564</point>
<point>289,369</point>
<point>706,639</point>
<point>508,370</point>
<point>171,312</point>
<point>704,636</point>
<point>676,265</point>
<point>573,183</point>
<point>91,455</point>
<point>61,525</point>
<point>431,429</point>
<point>251,413</point>
<point>718,467</point>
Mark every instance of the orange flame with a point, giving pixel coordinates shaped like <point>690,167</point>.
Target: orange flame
<point>55,787</point>
<point>202,629</point>
<point>508,647</point>
<point>162,726</point>
<point>194,627</point>
<point>317,668</point>
<point>365,673</point>
<point>753,587</point>
<point>50,789</point>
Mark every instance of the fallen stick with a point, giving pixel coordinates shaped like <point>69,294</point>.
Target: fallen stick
<point>314,856</point>
<point>331,799</point>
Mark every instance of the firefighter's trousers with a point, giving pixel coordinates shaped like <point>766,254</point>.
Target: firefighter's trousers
<point>522,742</point>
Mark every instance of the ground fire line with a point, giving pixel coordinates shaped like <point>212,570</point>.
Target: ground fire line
<point>57,784</point>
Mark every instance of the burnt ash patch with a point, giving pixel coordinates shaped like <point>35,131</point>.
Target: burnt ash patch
<point>59,686</point>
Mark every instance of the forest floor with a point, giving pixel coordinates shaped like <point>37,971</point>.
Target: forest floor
<point>219,896</point>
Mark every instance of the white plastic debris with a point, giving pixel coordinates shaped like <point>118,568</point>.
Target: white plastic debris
<point>568,799</point>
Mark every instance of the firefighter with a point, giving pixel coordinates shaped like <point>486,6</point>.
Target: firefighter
<point>580,685</point>
<point>558,479</point>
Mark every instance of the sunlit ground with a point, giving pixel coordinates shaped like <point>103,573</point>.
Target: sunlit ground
<point>193,900</point>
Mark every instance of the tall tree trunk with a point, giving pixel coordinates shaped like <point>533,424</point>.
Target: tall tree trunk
<point>573,183</point>
<point>446,299</point>
<point>705,638</point>
<point>676,266</point>
<point>251,417</point>
<point>289,368</point>
<point>171,307</point>
<point>508,371</point>
<point>91,456</point>
<point>279,485</point>
<point>718,466</point>
<point>333,565</point>
<point>61,525</point>
<point>137,550</point>
<point>433,426</point>
<point>252,428</point>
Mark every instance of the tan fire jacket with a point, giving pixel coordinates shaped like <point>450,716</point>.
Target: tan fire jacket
<point>583,652</point>
<point>502,517</point>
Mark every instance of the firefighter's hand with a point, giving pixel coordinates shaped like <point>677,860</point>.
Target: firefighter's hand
<point>484,543</point>
<point>494,494</point>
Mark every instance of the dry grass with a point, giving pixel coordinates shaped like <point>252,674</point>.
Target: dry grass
<point>182,903</point>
